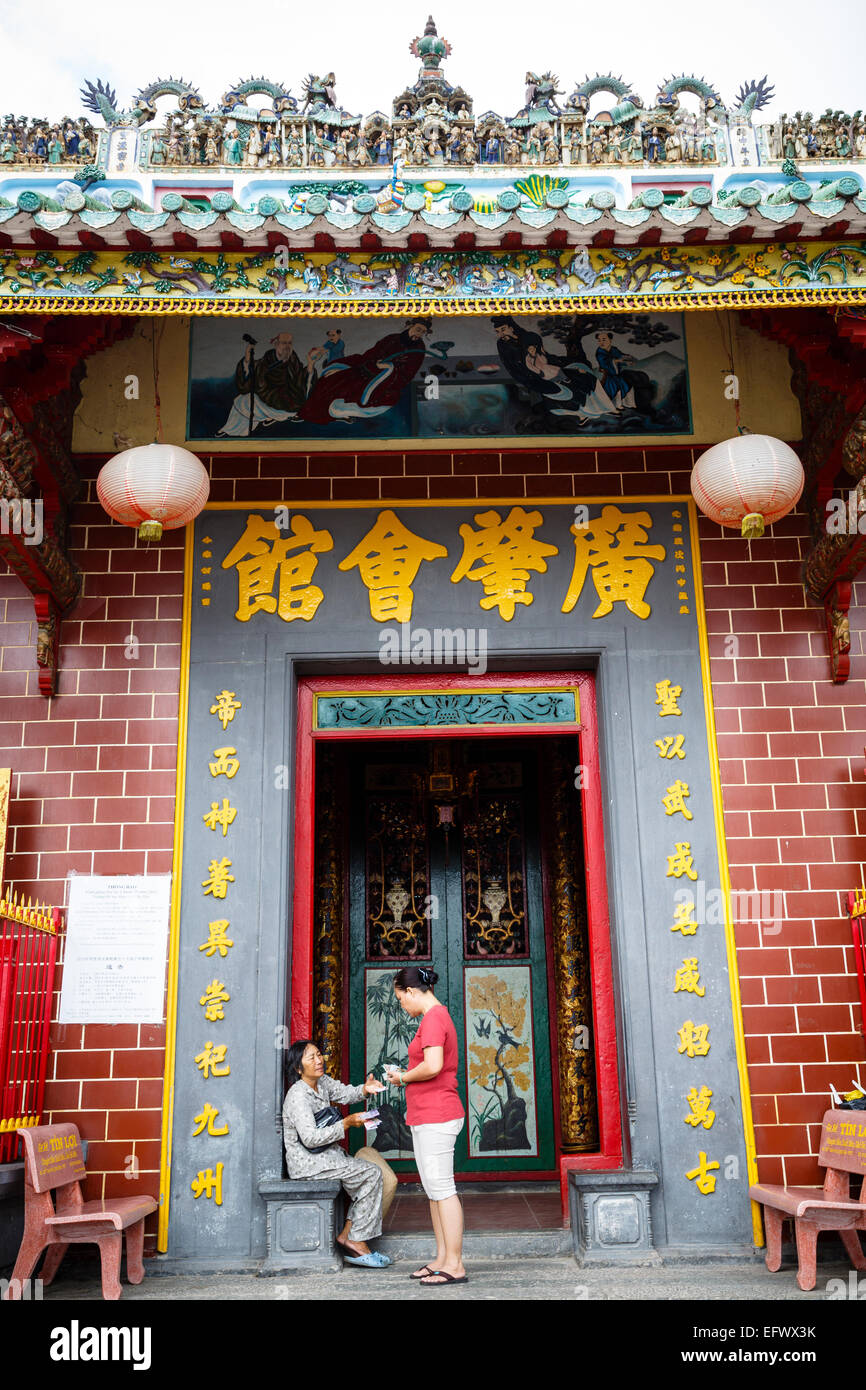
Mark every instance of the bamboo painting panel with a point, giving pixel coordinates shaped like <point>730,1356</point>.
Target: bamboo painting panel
<point>388,1033</point>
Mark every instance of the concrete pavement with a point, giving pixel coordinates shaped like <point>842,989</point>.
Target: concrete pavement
<point>539,1279</point>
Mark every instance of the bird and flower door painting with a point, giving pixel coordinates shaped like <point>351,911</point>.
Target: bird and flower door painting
<point>445,865</point>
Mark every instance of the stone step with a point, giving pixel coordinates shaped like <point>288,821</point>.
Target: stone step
<point>481,1245</point>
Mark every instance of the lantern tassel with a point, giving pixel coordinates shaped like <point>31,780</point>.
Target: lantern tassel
<point>753,526</point>
<point>152,530</point>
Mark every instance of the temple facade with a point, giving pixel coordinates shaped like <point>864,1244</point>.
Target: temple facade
<point>450,668</point>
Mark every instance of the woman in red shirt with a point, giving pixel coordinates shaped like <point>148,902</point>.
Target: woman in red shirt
<point>435,1115</point>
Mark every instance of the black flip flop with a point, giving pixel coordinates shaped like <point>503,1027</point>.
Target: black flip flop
<point>423,1275</point>
<point>445,1277</point>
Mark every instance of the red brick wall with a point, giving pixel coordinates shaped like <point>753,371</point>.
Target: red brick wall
<point>94,770</point>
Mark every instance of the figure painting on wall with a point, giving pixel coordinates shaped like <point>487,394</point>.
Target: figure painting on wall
<point>509,375</point>
<point>331,386</point>
<point>270,388</point>
<point>566,381</point>
<point>610,360</point>
<point>369,383</point>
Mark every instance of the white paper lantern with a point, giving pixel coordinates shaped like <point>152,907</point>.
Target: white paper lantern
<point>749,481</point>
<point>156,487</point>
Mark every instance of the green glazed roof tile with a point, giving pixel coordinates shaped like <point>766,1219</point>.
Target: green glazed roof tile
<point>344,219</point>
<point>630,217</point>
<point>391,221</point>
<point>679,217</point>
<point>536,217</point>
<point>144,221</point>
<point>582,216</point>
<point>247,221</point>
<point>91,218</point>
<point>446,219</point>
<point>197,221</point>
<point>51,221</point>
<point>293,220</point>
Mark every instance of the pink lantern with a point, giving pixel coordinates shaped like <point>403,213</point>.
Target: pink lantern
<point>749,481</point>
<point>156,487</point>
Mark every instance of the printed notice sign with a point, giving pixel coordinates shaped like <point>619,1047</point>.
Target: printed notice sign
<point>114,966</point>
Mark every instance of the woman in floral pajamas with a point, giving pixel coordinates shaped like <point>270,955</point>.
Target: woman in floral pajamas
<point>316,1152</point>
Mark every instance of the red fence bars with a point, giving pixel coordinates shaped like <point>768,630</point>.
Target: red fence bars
<point>28,952</point>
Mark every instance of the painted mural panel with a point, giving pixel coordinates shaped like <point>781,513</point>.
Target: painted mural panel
<point>389,1032</point>
<point>431,378</point>
<point>500,1059</point>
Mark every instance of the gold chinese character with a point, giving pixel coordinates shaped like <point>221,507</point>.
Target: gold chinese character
<point>688,978</point>
<point>500,555</point>
<point>208,1061</point>
<point>226,762</point>
<point>294,557</point>
<point>706,1181</point>
<point>675,799</point>
<point>699,1105</point>
<point>683,920</point>
<point>216,993</point>
<point>672,746</point>
<point>225,706</point>
<point>220,815</point>
<point>680,862</point>
<point>388,559</point>
<point>614,547</point>
<point>217,939</point>
<point>205,1181</point>
<point>667,696</point>
<point>694,1039</point>
<point>206,1121</point>
<point>218,879</point>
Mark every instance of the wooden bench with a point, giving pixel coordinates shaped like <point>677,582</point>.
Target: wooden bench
<point>53,1161</point>
<point>842,1152</point>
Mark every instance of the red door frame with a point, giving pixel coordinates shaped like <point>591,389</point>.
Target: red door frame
<point>598,919</point>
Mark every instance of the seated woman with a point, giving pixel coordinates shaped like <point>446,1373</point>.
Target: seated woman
<point>313,1150</point>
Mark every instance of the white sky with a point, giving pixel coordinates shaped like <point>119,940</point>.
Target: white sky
<point>813,52</point>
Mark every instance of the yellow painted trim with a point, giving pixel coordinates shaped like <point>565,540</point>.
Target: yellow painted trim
<point>174,930</point>
<point>724,873</point>
<point>25,1122</point>
<point>466,502</point>
<point>715,781</point>
<point>442,308</point>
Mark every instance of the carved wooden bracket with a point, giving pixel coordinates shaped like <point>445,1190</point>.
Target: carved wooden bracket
<point>836,604</point>
<point>47,642</point>
<point>40,373</point>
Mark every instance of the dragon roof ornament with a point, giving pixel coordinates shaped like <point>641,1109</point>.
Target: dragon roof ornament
<point>430,135</point>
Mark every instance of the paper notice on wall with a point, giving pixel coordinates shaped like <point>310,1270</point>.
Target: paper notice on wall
<point>114,962</point>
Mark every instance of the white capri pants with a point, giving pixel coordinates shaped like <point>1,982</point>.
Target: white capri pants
<point>434,1156</point>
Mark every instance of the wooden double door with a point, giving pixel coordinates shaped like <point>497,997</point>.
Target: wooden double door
<point>445,867</point>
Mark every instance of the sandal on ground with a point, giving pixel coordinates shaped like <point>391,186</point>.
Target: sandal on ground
<point>373,1260</point>
<point>445,1277</point>
<point>422,1273</point>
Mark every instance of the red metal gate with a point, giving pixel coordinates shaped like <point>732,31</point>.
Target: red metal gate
<point>28,951</point>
